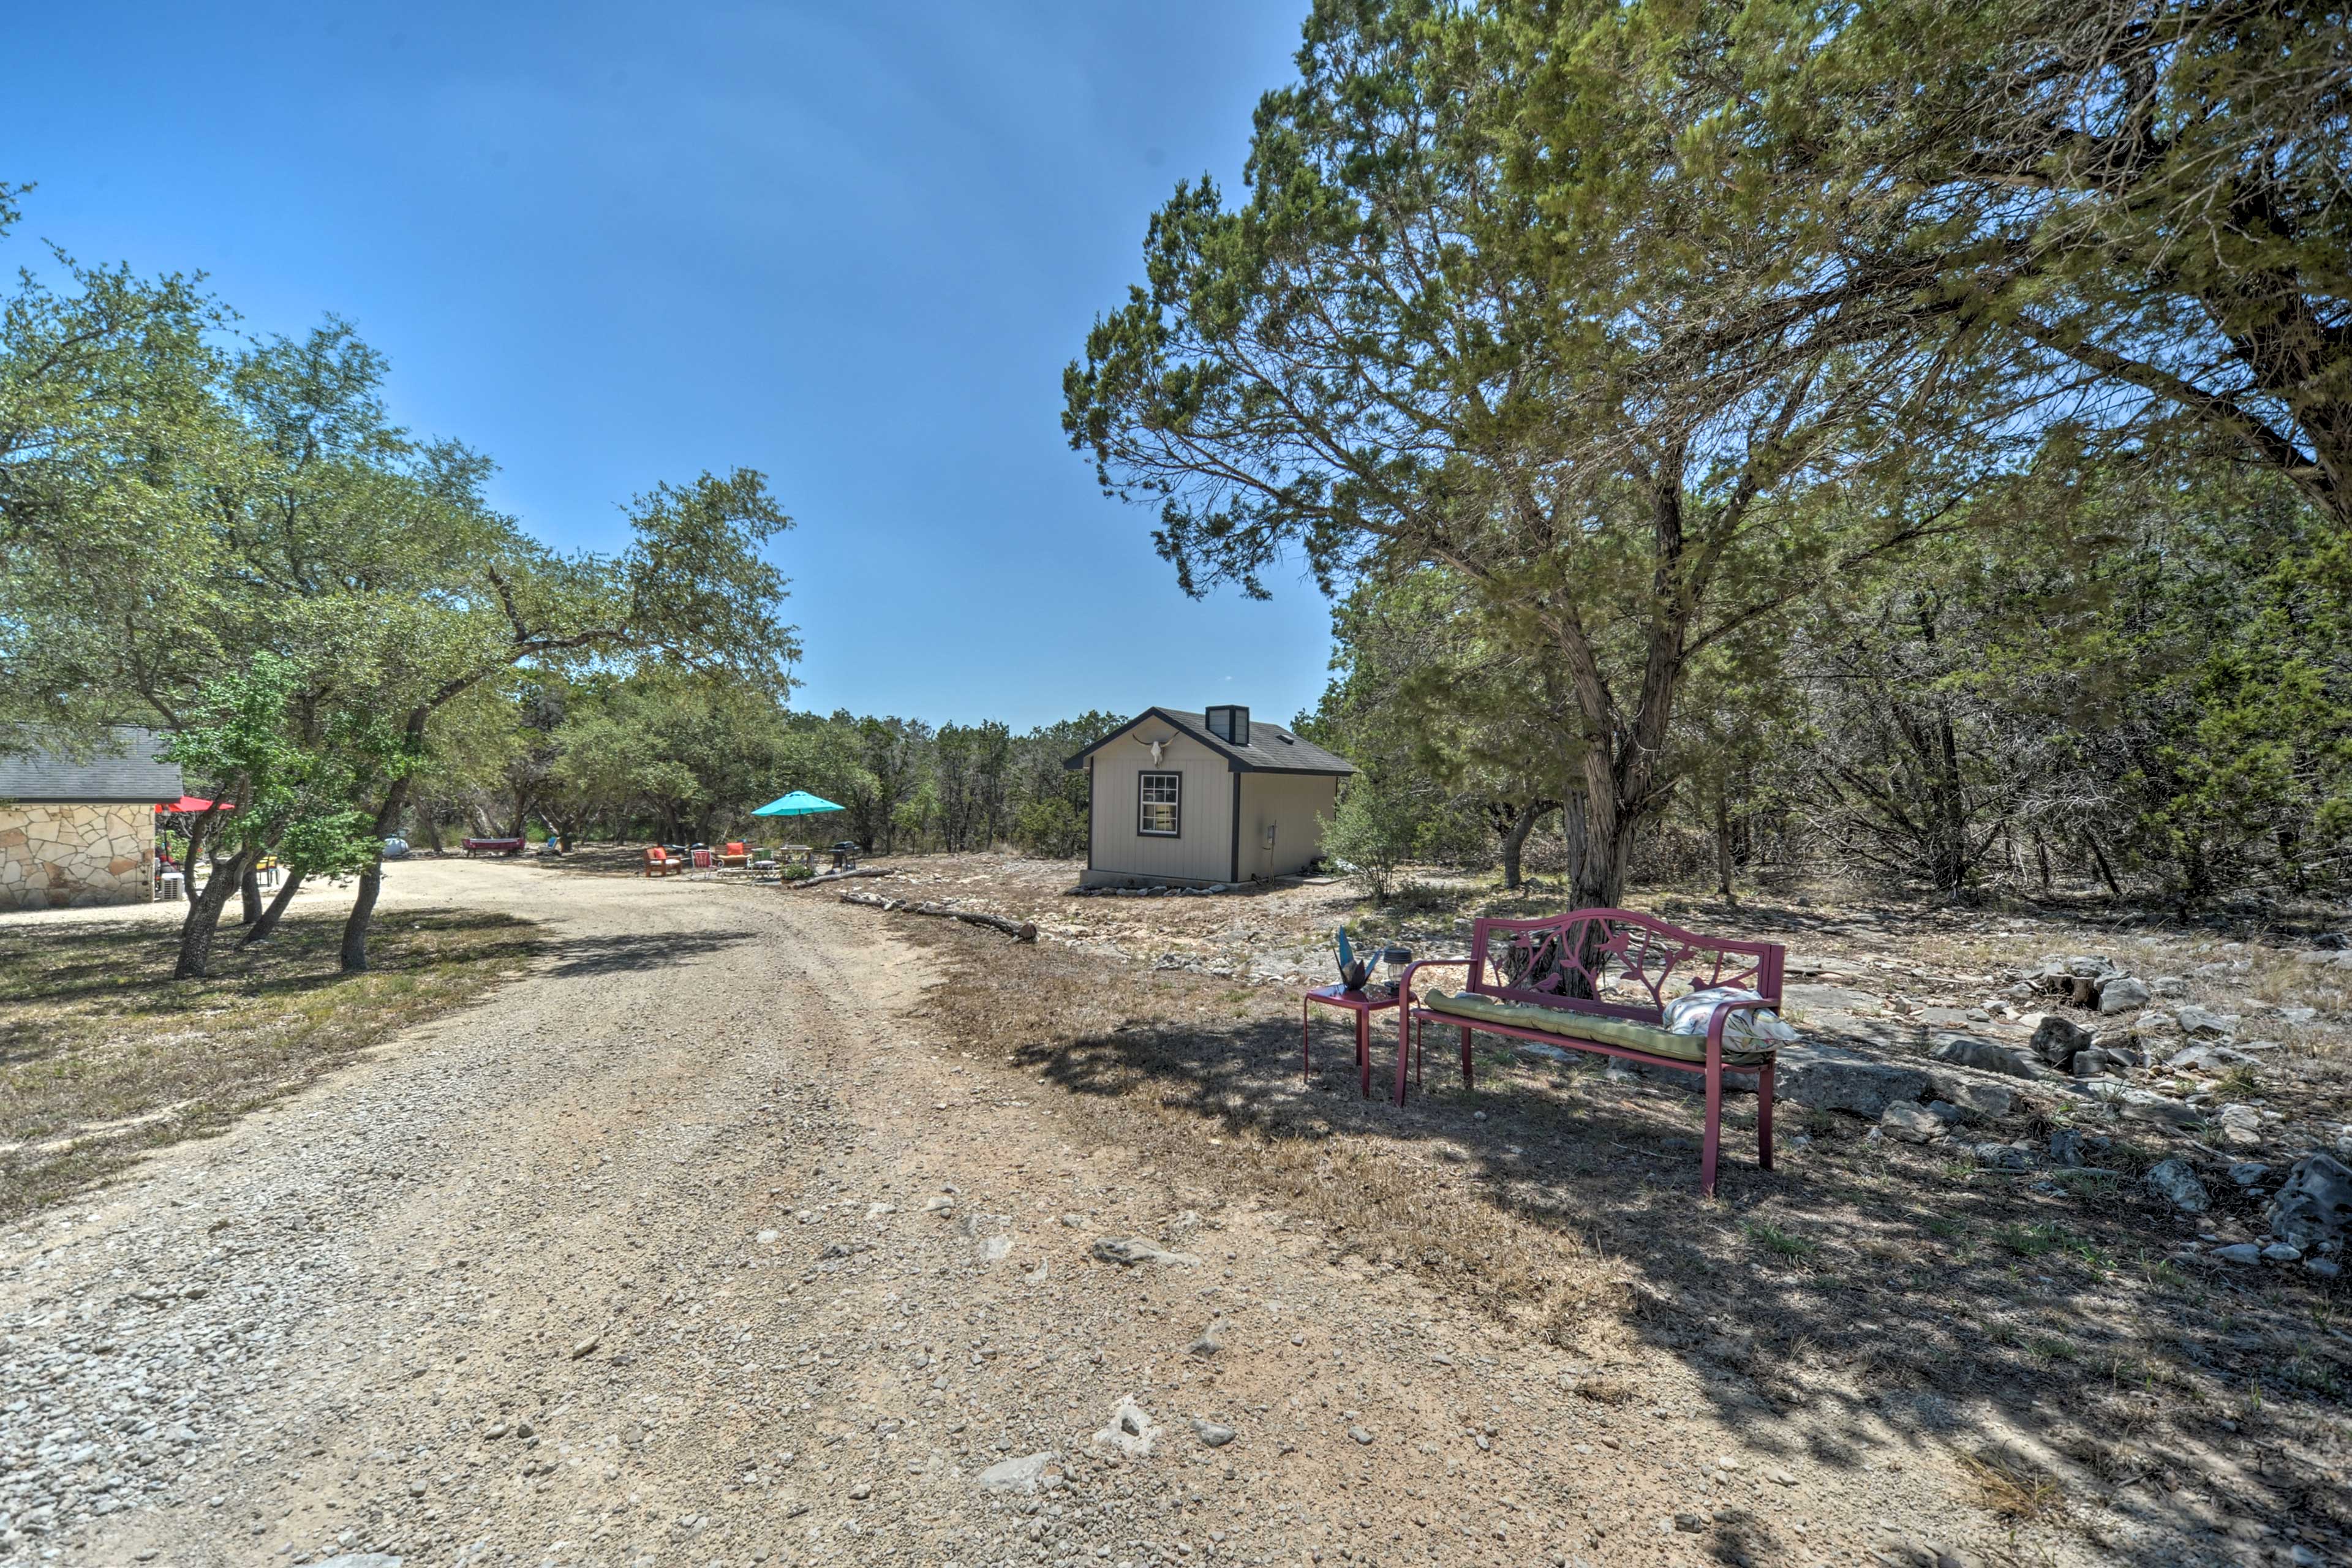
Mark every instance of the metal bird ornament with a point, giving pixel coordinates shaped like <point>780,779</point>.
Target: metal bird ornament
<point>1353,971</point>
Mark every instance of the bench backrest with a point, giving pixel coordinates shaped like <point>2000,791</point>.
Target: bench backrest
<point>1570,959</point>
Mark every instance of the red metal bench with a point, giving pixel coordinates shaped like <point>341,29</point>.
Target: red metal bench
<point>1596,980</point>
<point>492,847</point>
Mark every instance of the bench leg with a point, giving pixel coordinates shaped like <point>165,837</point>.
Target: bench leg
<point>1764,1116</point>
<point>1364,1051</point>
<point>1306,1051</point>
<point>1466,1060</point>
<point>1714,1139</point>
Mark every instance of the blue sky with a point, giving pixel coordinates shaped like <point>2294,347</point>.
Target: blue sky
<point>851,245</point>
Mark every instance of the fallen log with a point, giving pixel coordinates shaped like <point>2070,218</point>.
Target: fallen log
<point>1019,930</point>
<point>819,880</point>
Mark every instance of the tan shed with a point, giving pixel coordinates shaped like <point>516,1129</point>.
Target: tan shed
<point>1199,799</point>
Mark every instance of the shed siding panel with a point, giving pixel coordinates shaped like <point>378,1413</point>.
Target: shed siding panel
<point>1203,850</point>
<point>1294,805</point>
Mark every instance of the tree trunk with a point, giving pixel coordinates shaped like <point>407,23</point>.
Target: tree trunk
<point>1600,872</point>
<point>204,915</point>
<point>1723,844</point>
<point>1019,930</point>
<point>429,828</point>
<point>193,855</point>
<point>2107,873</point>
<point>258,931</point>
<point>356,925</point>
<point>2042,857</point>
<point>248,888</point>
<point>1574,828</point>
<point>1514,840</point>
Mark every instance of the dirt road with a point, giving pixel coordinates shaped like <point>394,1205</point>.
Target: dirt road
<point>689,1248</point>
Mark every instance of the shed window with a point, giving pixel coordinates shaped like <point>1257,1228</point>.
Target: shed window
<point>1159,802</point>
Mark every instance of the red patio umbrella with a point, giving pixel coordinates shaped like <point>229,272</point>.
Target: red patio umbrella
<point>197,803</point>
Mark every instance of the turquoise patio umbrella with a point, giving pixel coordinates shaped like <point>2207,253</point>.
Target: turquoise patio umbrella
<point>799,803</point>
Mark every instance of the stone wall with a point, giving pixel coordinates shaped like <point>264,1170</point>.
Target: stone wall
<point>58,857</point>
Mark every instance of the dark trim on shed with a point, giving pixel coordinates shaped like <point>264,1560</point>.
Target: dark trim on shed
<point>1236,875</point>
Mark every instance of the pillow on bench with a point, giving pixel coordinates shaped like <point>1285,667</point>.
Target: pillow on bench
<point>1650,1038</point>
<point>1688,1013</point>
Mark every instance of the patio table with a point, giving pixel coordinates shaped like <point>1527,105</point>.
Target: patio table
<point>1363,1004</point>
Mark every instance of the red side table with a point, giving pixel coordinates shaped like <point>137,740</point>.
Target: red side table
<point>1363,1005</point>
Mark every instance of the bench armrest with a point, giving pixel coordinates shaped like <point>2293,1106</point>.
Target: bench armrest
<point>1721,1014</point>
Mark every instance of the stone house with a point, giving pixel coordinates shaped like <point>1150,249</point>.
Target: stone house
<point>76,832</point>
<point>1203,799</point>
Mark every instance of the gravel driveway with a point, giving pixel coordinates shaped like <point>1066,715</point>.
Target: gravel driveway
<point>689,1248</point>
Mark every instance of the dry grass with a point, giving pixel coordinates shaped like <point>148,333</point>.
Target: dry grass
<point>103,1055</point>
<point>2011,1488</point>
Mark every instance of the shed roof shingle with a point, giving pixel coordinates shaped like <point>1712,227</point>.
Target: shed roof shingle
<point>131,777</point>
<point>1271,749</point>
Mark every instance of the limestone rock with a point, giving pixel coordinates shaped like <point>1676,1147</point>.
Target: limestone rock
<point>2056,1040</point>
<point>1988,1099</point>
<point>1985,1056</point>
<point>1132,1431</point>
<point>2122,994</point>
<point>2175,1182</point>
<point>1132,1250</point>
<point>2207,1058</point>
<point>1021,1475</point>
<point>2203,1023</point>
<point>1912,1123</point>
<point>1826,1079</point>
<point>2314,1204</point>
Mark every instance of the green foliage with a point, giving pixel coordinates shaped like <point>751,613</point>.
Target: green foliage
<point>1440,330</point>
<point>286,797</point>
<point>2132,212</point>
<point>1051,826</point>
<point>215,542</point>
<point>1376,827</point>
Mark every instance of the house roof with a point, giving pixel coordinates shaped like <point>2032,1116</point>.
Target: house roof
<point>132,777</point>
<point>1271,750</point>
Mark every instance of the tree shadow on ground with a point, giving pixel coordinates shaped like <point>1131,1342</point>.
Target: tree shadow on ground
<point>1863,1304</point>
<point>577,956</point>
<point>127,963</point>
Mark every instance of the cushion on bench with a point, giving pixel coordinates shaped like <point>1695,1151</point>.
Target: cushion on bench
<point>1649,1039</point>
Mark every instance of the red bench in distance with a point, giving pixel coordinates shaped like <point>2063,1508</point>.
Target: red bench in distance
<point>1597,980</point>
<point>493,846</point>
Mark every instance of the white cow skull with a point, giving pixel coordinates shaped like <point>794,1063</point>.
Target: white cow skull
<point>1157,747</point>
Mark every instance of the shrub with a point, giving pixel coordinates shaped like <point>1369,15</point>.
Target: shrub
<point>1372,834</point>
